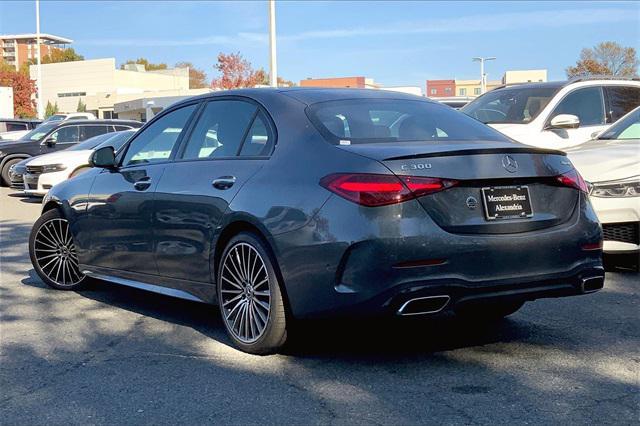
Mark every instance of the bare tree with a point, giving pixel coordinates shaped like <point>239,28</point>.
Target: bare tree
<point>607,58</point>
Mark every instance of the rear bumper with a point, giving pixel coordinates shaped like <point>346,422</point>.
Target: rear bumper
<point>346,262</point>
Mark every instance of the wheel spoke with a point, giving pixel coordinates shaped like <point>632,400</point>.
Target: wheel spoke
<point>55,253</point>
<point>245,292</point>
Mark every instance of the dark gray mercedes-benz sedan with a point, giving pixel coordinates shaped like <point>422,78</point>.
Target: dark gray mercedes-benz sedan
<point>281,204</point>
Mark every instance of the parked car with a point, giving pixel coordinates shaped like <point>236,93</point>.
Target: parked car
<point>70,116</point>
<point>15,128</point>
<point>323,202</point>
<point>611,165</point>
<point>44,171</point>
<point>556,115</point>
<point>55,136</point>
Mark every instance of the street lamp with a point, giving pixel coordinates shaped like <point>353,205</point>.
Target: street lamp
<point>273,67</point>
<point>483,76</point>
<point>39,70</point>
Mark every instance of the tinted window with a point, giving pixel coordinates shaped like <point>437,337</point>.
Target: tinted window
<point>627,128</point>
<point>68,134</point>
<point>259,140</point>
<point>121,128</point>
<point>373,120</point>
<point>514,105</point>
<point>87,132</point>
<point>586,104</point>
<point>156,142</point>
<point>89,143</point>
<point>12,127</point>
<point>220,130</point>
<point>621,101</point>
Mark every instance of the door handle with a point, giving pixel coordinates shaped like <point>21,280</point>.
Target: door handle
<point>143,183</point>
<point>224,182</point>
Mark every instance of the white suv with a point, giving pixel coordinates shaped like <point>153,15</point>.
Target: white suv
<point>556,115</point>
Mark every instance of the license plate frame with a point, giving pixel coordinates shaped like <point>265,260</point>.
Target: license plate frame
<point>492,209</point>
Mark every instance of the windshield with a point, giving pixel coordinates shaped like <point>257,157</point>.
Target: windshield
<point>39,132</point>
<point>626,128</point>
<point>363,121</point>
<point>511,105</point>
<point>117,140</point>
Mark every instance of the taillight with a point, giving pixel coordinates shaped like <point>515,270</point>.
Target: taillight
<point>572,179</point>
<point>373,190</point>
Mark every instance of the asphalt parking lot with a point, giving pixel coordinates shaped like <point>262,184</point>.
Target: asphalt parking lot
<point>113,355</point>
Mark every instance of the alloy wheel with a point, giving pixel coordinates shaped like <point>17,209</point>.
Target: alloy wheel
<point>245,293</point>
<point>56,253</point>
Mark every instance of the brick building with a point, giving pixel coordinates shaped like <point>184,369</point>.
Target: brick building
<point>17,49</point>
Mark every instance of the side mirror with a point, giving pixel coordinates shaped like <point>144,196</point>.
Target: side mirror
<point>564,121</point>
<point>103,157</point>
<point>50,142</point>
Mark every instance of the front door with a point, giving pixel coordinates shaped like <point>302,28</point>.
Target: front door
<point>119,207</point>
<point>230,143</point>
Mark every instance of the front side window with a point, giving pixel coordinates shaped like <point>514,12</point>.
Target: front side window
<point>220,130</point>
<point>621,100</point>
<point>156,142</point>
<point>510,105</point>
<point>68,134</point>
<point>586,104</point>
<point>364,121</point>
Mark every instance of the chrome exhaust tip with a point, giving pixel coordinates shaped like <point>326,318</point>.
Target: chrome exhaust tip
<point>424,305</point>
<point>591,284</point>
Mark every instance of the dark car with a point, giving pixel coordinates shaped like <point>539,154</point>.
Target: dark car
<point>17,124</point>
<point>54,136</point>
<point>280,204</point>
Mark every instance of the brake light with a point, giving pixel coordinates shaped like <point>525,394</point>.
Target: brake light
<point>572,179</point>
<point>374,190</point>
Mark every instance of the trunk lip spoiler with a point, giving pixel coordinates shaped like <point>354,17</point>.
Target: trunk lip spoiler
<point>480,151</point>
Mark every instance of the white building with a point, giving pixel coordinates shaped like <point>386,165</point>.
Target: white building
<point>100,84</point>
<point>145,107</point>
<point>524,76</point>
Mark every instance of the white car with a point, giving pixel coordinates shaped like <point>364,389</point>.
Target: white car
<point>45,171</point>
<point>70,116</point>
<point>556,115</point>
<point>611,166</point>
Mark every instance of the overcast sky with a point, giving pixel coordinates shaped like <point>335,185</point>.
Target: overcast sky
<point>396,43</point>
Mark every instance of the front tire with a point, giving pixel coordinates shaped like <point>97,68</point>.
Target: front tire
<point>249,296</point>
<point>53,252</point>
<point>5,180</point>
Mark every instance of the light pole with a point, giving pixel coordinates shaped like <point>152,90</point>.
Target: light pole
<point>483,76</point>
<point>39,71</point>
<point>273,66</point>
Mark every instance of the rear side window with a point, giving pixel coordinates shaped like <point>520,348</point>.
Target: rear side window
<point>362,121</point>
<point>121,128</point>
<point>587,104</point>
<point>87,132</point>
<point>621,101</point>
<point>12,127</point>
<point>259,140</point>
<point>220,130</point>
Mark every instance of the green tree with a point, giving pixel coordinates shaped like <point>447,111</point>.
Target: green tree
<point>607,58</point>
<point>82,107</point>
<point>197,77</point>
<point>147,65</point>
<point>50,109</point>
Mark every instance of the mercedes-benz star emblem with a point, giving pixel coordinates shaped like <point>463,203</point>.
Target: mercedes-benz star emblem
<point>472,203</point>
<point>509,163</point>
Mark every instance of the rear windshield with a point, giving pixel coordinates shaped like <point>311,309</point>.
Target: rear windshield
<point>514,106</point>
<point>365,121</point>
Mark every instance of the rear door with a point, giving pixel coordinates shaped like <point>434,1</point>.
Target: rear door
<point>120,201</point>
<point>229,143</point>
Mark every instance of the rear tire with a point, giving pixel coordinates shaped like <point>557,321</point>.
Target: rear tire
<point>53,253</point>
<point>4,174</point>
<point>488,311</point>
<point>250,296</point>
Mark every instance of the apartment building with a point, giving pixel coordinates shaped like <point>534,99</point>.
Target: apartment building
<point>472,88</point>
<point>18,49</point>
<point>100,84</point>
<point>356,82</point>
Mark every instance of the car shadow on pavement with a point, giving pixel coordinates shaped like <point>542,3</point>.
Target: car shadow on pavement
<point>25,198</point>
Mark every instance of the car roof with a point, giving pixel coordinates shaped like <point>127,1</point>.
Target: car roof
<point>576,81</point>
<point>309,95</point>
<point>85,122</point>
<point>21,120</point>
